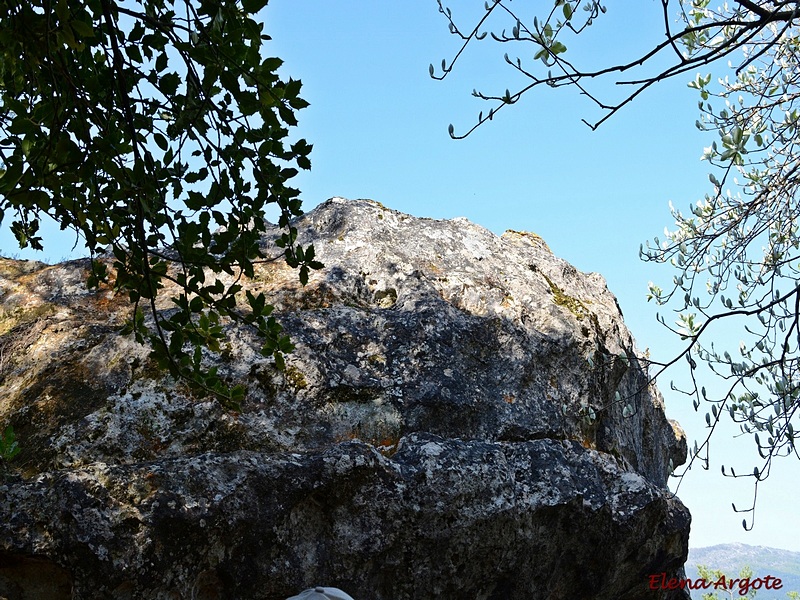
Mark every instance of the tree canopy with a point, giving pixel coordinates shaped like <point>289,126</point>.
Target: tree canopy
<point>156,130</point>
<point>737,251</point>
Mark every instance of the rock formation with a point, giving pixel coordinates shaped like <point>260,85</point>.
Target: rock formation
<point>464,416</point>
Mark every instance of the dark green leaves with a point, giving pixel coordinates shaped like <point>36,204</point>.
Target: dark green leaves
<point>82,29</point>
<point>9,447</point>
<point>161,141</point>
<point>133,136</point>
<point>168,84</point>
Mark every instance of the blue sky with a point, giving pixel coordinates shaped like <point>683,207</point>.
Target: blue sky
<point>379,128</point>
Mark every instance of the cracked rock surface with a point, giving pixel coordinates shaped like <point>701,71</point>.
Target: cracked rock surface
<point>465,415</point>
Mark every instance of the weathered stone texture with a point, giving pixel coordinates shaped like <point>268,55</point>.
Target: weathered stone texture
<point>427,439</point>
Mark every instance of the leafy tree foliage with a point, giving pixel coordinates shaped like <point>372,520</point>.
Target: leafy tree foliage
<point>723,589</point>
<point>155,129</point>
<point>737,251</point>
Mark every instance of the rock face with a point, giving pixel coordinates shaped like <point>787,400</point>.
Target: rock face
<point>465,416</point>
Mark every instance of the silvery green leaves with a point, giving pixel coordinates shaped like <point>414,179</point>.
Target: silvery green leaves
<point>700,83</point>
<point>159,129</point>
<point>550,47</point>
<point>541,38</point>
<point>600,360</point>
<point>588,415</point>
<point>737,251</point>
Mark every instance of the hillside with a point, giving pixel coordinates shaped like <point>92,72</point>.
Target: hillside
<point>730,558</point>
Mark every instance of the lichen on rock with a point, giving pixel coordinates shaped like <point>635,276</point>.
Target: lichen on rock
<point>449,425</point>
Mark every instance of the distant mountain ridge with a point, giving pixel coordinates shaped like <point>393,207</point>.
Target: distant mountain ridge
<point>730,558</point>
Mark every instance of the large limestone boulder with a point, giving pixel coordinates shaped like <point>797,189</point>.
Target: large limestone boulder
<point>465,416</point>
